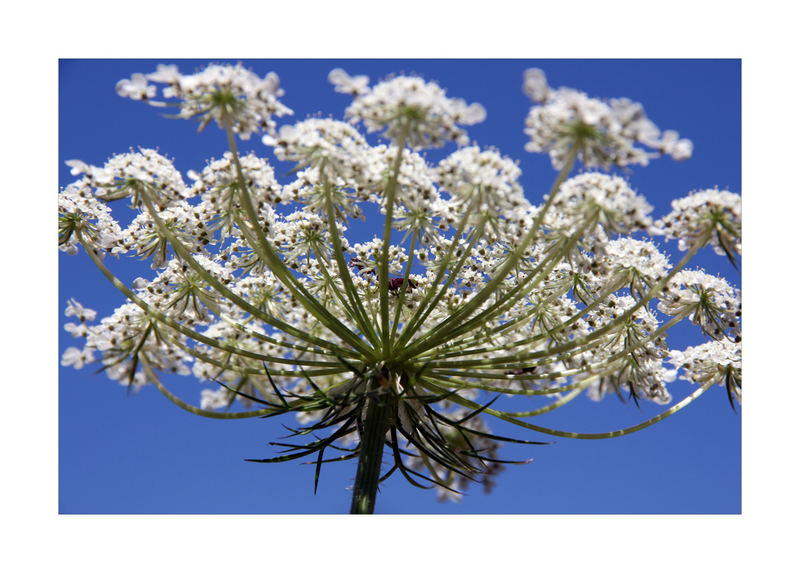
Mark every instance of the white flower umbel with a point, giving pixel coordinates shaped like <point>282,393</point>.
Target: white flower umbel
<point>322,143</point>
<point>402,342</point>
<point>84,219</point>
<point>715,362</point>
<point>482,182</point>
<point>607,133</point>
<point>248,100</point>
<point>708,301</point>
<point>126,175</point>
<point>410,103</point>
<point>618,208</point>
<point>711,216</point>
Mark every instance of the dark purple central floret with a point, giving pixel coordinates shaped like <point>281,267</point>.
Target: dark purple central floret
<point>395,284</point>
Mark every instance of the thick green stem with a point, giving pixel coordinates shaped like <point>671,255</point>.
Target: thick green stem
<point>370,454</point>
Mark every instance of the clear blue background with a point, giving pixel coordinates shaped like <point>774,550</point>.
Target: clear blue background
<point>141,454</point>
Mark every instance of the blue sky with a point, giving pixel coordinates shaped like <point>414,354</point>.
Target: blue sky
<point>138,453</point>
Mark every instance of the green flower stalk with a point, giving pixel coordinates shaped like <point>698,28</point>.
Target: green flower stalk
<point>394,351</point>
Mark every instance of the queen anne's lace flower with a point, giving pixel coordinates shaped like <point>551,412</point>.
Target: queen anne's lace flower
<point>416,182</point>
<point>331,156</point>
<point>369,253</point>
<point>302,235</point>
<point>412,106</point>
<point>219,188</point>
<point>712,213</point>
<point>466,292</point>
<point>710,302</point>
<point>79,329</point>
<point>215,93</point>
<point>120,338</point>
<point>316,142</point>
<point>482,181</point>
<point>631,360</point>
<point>81,216</point>
<point>180,291</point>
<point>125,174</point>
<point>534,84</point>
<point>609,197</point>
<point>144,238</point>
<point>715,362</point>
<point>606,133</point>
<point>639,263</point>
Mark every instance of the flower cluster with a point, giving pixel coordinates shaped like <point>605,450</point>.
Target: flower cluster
<point>482,181</point>
<point>612,133</point>
<point>607,198</point>
<point>708,301</point>
<point>226,94</point>
<point>261,289</point>
<point>413,111</point>
<point>702,216</point>
<point>82,217</point>
<point>126,175</point>
<point>715,362</point>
